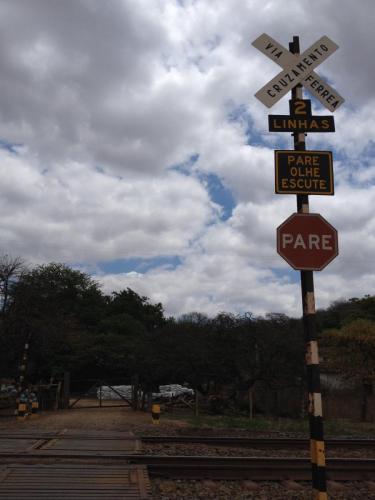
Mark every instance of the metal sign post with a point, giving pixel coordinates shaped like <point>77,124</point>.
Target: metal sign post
<point>306,241</point>
<point>315,411</point>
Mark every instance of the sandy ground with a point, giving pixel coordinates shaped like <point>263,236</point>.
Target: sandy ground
<point>124,419</point>
<point>95,419</point>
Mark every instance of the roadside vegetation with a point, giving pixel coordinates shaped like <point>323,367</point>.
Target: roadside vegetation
<point>280,426</point>
<point>71,325</point>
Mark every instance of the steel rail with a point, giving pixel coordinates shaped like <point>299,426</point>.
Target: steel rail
<point>258,443</point>
<point>195,467</point>
<point>256,468</point>
<point>233,441</point>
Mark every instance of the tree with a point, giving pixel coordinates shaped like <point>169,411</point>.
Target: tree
<point>225,356</point>
<point>133,322</point>
<point>343,312</point>
<point>11,268</point>
<point>138,307</point>
<point>53,306</point>
<point>269,350</point>
<point>57,289</point>
<point>350,352</point>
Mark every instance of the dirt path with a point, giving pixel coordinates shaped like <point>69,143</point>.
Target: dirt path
<point>95,419</point>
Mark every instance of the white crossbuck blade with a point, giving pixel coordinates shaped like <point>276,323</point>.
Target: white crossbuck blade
<point>297,69</point>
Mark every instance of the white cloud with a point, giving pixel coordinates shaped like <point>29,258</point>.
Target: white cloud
<point>211,284</point>
<point>103,98</point>
<point>77,213</point>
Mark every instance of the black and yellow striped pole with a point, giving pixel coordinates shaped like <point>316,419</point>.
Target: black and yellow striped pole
<point>317,447</point>
<point>22,403</point>
<point>22,399</point>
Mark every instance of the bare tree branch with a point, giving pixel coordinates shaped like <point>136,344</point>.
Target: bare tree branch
<point>11,268</point>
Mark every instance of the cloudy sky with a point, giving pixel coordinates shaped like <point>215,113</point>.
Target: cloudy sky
<point>132,147</point>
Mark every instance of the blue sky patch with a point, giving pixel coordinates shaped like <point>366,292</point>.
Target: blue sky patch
<point>185,167</point>
<point>239,114</point>
<point>139,265</point>
<point>289,275</point>
<point>8,146</point>
<point>219,194</point>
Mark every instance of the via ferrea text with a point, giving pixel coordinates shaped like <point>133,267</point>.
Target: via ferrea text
<point>321,89</point>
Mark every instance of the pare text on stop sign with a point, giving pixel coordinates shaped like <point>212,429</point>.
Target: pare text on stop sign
<point>307,242</point>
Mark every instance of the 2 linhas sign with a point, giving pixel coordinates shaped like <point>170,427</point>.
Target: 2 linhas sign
<point>300,119</point>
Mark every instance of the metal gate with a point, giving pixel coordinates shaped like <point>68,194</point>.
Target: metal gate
<point>93,393</point>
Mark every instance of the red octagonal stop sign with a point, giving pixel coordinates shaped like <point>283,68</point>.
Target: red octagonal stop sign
<point>307,242</point>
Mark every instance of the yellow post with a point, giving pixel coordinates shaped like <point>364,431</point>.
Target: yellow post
<point>155,413</point>
<point>22,405</point>
<point>21,411</point>
<point>33,404</point>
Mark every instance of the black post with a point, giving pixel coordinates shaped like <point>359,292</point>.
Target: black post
<point>317,447</point>
<point>22,397</point>
<point>66,388</point>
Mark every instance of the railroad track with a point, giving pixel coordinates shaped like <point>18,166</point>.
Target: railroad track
<point>260,443</point>
<point>255,468</point>
<point>229,441</point>
<point>196,467</point>
<point>123,450</point>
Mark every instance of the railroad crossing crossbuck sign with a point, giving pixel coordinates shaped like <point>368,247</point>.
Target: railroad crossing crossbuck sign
<point>297,69</point>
